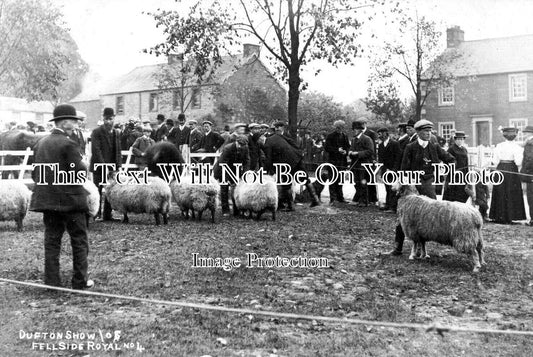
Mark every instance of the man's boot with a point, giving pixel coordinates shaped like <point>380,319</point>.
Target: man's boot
<point>314,198</point>
<point>399,238</point>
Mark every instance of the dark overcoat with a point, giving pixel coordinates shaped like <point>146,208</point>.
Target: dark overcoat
<point>105,147</point>
<point>457,192</point>
<point>179,137</point>
<point>364,146</point>
<point>413,157</point>
<point>211,142</point>
<point>390,156</point>
<point>334,141</point>
<point>279,151</point>
<point>230,156</point>
<point>195,140</point>
<point>58,148</point>
<point>527,162</point>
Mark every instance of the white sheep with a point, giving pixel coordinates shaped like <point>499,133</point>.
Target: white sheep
<point>93,198</point>
<point>451,223</point>
<point>14,201</point>
<point>152,198</point>
<point>256,197</point>
<point>196,197</point>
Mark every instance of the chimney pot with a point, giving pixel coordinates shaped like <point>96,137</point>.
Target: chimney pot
<point>248,49</point>
<point>454,37</point>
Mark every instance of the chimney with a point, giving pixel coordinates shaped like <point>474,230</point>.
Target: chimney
<point>248,49</point>
<point>173,58</point>
<point>454,37</point>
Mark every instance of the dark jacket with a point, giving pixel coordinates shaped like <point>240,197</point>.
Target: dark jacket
<point>413,157</point>
<point>230,156</point>
<point>279,151</point>
<point>255,150</point>
<point>58,148</point>
<point>365,150</point>
<point>105,147</point>
<point>139,148</point>
<point>179,137</point>
<point>403,143</point>
<point>211,142</point>
<point>457,192</point>
<point>195,140</point>
<point>527,162</point>
<point>160,133</point>
<point>334,141</point>
<point>390,156</point>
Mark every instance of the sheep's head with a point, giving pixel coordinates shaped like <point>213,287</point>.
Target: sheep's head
<point>404,190</point>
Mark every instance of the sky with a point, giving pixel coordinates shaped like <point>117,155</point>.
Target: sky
<point>112,33</point>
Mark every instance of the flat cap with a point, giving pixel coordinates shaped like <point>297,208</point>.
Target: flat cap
<point>423,124</point>
<point>239,125</point>
<point>383,129</point>
<point>278,124</point>
<point>358,125</point>
<point>264,126</point>
<point>510,128</point>
<point>253,125</point>
<point>528,129</point>
<point>192,121</point>
<point>207,122</point>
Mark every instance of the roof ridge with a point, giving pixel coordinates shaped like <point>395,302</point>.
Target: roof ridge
<point>498,38</point>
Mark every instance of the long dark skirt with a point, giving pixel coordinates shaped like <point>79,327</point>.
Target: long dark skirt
<point>507,202</point>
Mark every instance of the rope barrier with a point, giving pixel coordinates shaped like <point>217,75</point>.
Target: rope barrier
<point>415,326</point>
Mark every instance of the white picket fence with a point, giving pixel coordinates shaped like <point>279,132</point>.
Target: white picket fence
<point>128,165</point>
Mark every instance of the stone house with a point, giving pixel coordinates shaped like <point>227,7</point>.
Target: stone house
<point>241,89</point>
<point>492,81</point>
<point>20,111</point>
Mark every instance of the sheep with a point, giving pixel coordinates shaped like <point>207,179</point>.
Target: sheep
<point>14,201</point>
<point>163,153</point>
<point>93,198</point>
<point>452,223</point>
<point>256,197</point>
<point>195,196</point>
<point>151,198</point>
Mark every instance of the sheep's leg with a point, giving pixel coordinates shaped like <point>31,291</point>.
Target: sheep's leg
<point>475,259</point>
<point>126,219</point>
<point>250,214</point>
<point>200,213</point>
<point>18,220</point>
<point>481,253</point>
<point>157,219</point>
<point>413,251</point>
<point>212,215</point>
<point>185,213</point>
<point>273,213</point>
<point>424,254</point>
<point>259,214</point>
<point>165,218</point>
<point>193,215</point>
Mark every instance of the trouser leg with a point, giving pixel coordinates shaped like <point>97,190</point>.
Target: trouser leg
<point>224,198</point>
<point>529,195</point>
<point>77,229</point>
<point>54,227</point>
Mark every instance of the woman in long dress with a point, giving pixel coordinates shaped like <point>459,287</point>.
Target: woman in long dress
<point>507,203</point>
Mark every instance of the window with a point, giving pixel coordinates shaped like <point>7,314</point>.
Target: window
<point>520,124</point>
<point>446,96</point>
<point>517,87</point>
<point>196,99</point>
<point>152,103</point>
<point>119,105</point>
<point>446,129</point>
<point>176,99</point>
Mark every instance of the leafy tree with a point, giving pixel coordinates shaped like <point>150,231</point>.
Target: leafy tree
<point>38,58</point>
<point>416,57</point>
<point>294,32</point>
<point>385,103</point>
<point>317,112</point>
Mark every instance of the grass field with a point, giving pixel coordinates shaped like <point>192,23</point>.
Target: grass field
<point>144,260</point>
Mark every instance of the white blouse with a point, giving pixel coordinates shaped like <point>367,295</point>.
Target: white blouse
<point>509,151</point>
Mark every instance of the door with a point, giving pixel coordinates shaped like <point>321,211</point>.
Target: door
<point>482,133</point>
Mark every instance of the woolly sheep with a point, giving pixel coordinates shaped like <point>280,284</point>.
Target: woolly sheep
<point>452,223</point>
<point>256,197</point>
<point>14,201</point>
<point>93,198</point>
<point>151,198</point>
<point>195,197</point>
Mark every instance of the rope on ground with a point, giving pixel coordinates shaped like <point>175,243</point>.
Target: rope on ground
<point>427,328</point>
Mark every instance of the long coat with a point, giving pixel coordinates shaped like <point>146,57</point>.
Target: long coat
<point>179,137</point>
<point>211,142</point>
<point>390,156</point>
<point>195,139</point>
<point>279,151</point>
<point>457,192</point>
<point>230,156</point>
<point>334,141</point>
<point>160,133</point>
<point>105,147</point>
<point>58,148</point>
<point>527,163</point>
<point>364,146</point>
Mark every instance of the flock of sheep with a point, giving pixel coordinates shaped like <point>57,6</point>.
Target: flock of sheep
<point>455,224</point>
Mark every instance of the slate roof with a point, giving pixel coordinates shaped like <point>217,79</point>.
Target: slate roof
<point>141,79</point>
<point>494,55</point>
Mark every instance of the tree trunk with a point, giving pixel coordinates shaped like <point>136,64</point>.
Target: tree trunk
<point>294,96</point>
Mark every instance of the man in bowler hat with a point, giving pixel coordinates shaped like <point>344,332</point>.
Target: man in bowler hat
<point>64,206</point>
<point>105,149</point>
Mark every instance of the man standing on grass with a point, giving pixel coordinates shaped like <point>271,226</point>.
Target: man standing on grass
<point>527,168</point>
<point>64,206</point>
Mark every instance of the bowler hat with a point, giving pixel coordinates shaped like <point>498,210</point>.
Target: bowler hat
<point>181,116</point>
<point>528,129</point>
<point>402,125</point>
<point>109,112</point>
<point>160,117</point>
<point>383,129</point>
<point>411,123</point>
<point>278,124</point>
<point>423,124</point>
<point>64,111</point>
<point>510,128</point>
<point>358,125</point>
<point>169,122</point>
